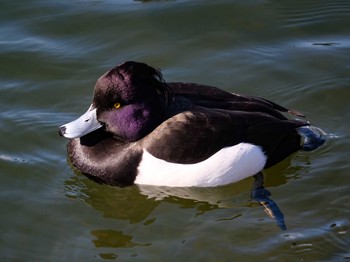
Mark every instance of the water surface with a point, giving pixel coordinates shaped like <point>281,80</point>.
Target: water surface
<point>295,53</point>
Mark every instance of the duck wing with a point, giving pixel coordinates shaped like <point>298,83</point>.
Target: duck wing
<point>193,136</point>
<point>213,97</point>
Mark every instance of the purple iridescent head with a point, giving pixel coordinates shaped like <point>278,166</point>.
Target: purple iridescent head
<point>128,102</point>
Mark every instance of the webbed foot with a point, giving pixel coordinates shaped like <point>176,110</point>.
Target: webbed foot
<point>261,195</point>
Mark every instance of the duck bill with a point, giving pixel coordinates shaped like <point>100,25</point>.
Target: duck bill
<point>83,125</point>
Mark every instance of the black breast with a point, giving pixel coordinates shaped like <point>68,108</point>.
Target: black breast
<point>105,159</point>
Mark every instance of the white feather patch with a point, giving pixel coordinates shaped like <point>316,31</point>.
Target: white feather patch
<point>229,165</point>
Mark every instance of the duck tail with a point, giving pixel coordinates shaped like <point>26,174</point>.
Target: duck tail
<point>311,137</point>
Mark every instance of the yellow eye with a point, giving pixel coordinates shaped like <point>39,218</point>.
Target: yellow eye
<point>117,105</point>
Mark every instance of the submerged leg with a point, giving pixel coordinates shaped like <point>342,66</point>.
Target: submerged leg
<point>261,195</point>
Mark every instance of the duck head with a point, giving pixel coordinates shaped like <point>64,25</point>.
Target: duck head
<point>129,101</point>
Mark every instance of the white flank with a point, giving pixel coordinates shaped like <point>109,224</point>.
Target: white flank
<point>229,165</point>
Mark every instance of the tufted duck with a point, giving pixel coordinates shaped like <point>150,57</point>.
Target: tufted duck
<point>141,129</point>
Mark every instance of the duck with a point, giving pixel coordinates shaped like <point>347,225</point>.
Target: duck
<point>140,129</point>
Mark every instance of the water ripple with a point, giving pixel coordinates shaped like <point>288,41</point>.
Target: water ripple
<point>319,12</point>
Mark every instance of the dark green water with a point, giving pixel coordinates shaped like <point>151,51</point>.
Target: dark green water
<point>51,52</point>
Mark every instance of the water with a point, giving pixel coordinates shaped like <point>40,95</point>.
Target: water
<point>51,52</point>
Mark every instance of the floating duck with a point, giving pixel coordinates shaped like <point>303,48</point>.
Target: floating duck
<point>140,129</point>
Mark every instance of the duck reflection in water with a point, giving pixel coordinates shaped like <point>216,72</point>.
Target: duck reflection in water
<point>135,204</point>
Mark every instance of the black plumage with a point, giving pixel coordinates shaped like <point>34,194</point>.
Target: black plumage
<point>177,122</point>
